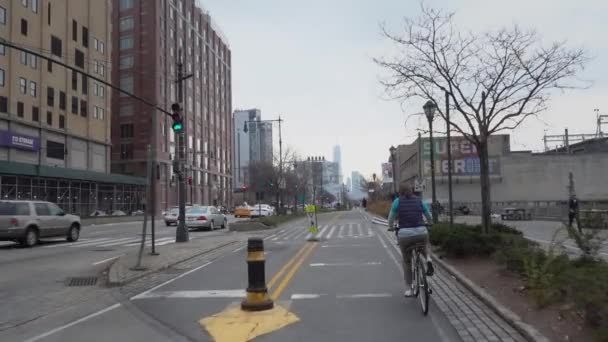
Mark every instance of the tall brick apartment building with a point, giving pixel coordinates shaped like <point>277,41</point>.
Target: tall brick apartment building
<point>148,37</point>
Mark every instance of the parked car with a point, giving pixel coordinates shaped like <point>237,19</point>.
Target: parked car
<point>205,217</point>
<point>464,210</point>
<point>261,210</point>
<point>243,211</point>
<point>119,213</point>
<point>98,213</point>
<point>515,214</point>
<point>28,221</point>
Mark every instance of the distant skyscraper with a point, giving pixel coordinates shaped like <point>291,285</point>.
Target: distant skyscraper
<point>338,160</point>
<point>357,191</point>
<point>349,184</point>
<point>242,144</point>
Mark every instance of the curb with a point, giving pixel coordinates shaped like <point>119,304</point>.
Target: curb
<point>152,271</point>
<point>528,331</point>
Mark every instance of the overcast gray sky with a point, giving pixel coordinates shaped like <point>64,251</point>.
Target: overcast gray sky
<point>310,62</point>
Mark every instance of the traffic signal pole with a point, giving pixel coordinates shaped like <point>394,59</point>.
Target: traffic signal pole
<point>181,233</point>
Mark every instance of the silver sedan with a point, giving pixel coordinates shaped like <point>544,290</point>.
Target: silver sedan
<point>205,217</point>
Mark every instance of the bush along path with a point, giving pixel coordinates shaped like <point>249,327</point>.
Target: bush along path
<point>551,277</point>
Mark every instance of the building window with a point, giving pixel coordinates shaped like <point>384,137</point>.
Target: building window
<point>101,47</point>
<point>33,88</point>
<point>83,108</point>
<point>24,27</point>
<point>79,58</point>
<point>2,15</point>
<point>2,78</point>
<point>62,100</point>
<point>102,69</point>
<point>35,6</point>
<point>126,4</point>
<point>85,84</point>
<point>126,23</point>
<point>50,97</point>
<point>35,114</point>
<point>55,150</point>
<point>74,30</point>
<point>95,44</point>
<point>98,113</point>
<point>85,37</point>
<point>126,62</point>
<point>102,91</point>
<point>74,105</point>
<point>24,3</point>
<point>62,121</point>
<point>3,104</point>
<point>49,13</point>
<point>2,49</point>
<point>20,109</point>
<point>126,43</point>
<point>49,66</point>
<point>126,84</point>
<point>23,85</point>
<point>126,151</point>
<point>126,131</point>
<point>23,57</point>
<point>49,118</point>
<point>56,46</point>
<point>126,110</point>
<point>33,61</point>
<point>74,80</point>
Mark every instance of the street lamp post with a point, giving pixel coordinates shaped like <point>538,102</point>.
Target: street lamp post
<point>449,143</point>
<point>429,110</point>
<point>393,161</point>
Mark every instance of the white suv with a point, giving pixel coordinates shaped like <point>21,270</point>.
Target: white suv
<point>28,221</point>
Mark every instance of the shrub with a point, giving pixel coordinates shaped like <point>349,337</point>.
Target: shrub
<point>462,242</point>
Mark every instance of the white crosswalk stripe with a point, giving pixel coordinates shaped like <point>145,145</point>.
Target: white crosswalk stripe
<point>81,242</point>
<point>327,232</point>
<point>112,242</point>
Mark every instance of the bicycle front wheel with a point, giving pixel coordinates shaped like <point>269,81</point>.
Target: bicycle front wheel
<point>423,287</point>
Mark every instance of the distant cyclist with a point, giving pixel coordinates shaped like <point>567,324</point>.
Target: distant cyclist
<point>409,210</point>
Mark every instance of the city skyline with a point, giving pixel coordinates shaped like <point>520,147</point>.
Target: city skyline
<point>337,106</point>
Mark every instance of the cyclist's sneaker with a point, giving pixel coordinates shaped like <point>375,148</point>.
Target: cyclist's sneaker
<point>409,293</point>
<point>430,270</point>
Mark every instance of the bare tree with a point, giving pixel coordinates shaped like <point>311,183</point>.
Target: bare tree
<point>493,80</point>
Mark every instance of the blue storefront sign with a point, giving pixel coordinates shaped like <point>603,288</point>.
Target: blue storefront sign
<point>19,141</point>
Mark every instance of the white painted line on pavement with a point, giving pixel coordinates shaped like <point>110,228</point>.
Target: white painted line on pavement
<point>341,232</point>
<point>238,249</point>
<point>332,246</point>
<point>78,243</point>
<point>196,294</point>
<point>171,280</point>
<point>63,327</point>
<point>359,230</point>
<point>301,233</point>
<point>321,232</point>
<point>573,248</point>
<point>106,260</point>
<point>364,295</point>
<point>120,242</point>
<point>331,232</point>
<point>305,296</point>
<point>350,230</point>
<point>320,264</point>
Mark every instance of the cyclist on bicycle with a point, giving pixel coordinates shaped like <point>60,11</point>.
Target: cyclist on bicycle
<point>412,231</point>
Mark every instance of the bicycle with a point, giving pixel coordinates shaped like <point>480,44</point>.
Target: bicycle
<point>420,283</point>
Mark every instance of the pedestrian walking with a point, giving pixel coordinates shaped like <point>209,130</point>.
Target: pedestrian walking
<point>573,213</point>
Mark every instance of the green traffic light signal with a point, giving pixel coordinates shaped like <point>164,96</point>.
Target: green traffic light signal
<point>178,126</point>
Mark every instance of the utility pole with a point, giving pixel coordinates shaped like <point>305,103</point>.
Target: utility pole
<point>449,143</point>
<point>181,233</point>
<point>280,192</point>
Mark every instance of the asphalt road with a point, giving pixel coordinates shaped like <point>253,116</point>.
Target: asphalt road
<point>543,232</point>
<point>33,281</point>
<point>347,287</point>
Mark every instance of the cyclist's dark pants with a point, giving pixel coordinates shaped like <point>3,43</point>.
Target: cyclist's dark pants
<point>409,238</point>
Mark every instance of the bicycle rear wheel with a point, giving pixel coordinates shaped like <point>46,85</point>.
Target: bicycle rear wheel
<point>414,270</point>
<point>423,287</point>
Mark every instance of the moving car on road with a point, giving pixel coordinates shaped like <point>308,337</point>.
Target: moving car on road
<point>262,210</point>
<point>28,221</point>
<point>243,211</point>
<point>205,217</point>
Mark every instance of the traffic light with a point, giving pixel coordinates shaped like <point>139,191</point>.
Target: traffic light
<point>178,121</point>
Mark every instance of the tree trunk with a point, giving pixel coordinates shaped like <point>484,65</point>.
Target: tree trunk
<point>484,178</point>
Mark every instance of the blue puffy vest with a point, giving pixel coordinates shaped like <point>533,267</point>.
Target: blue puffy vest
<point>410,212</point>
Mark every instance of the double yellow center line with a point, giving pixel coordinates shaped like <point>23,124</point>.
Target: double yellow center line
<point>292,266</point>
